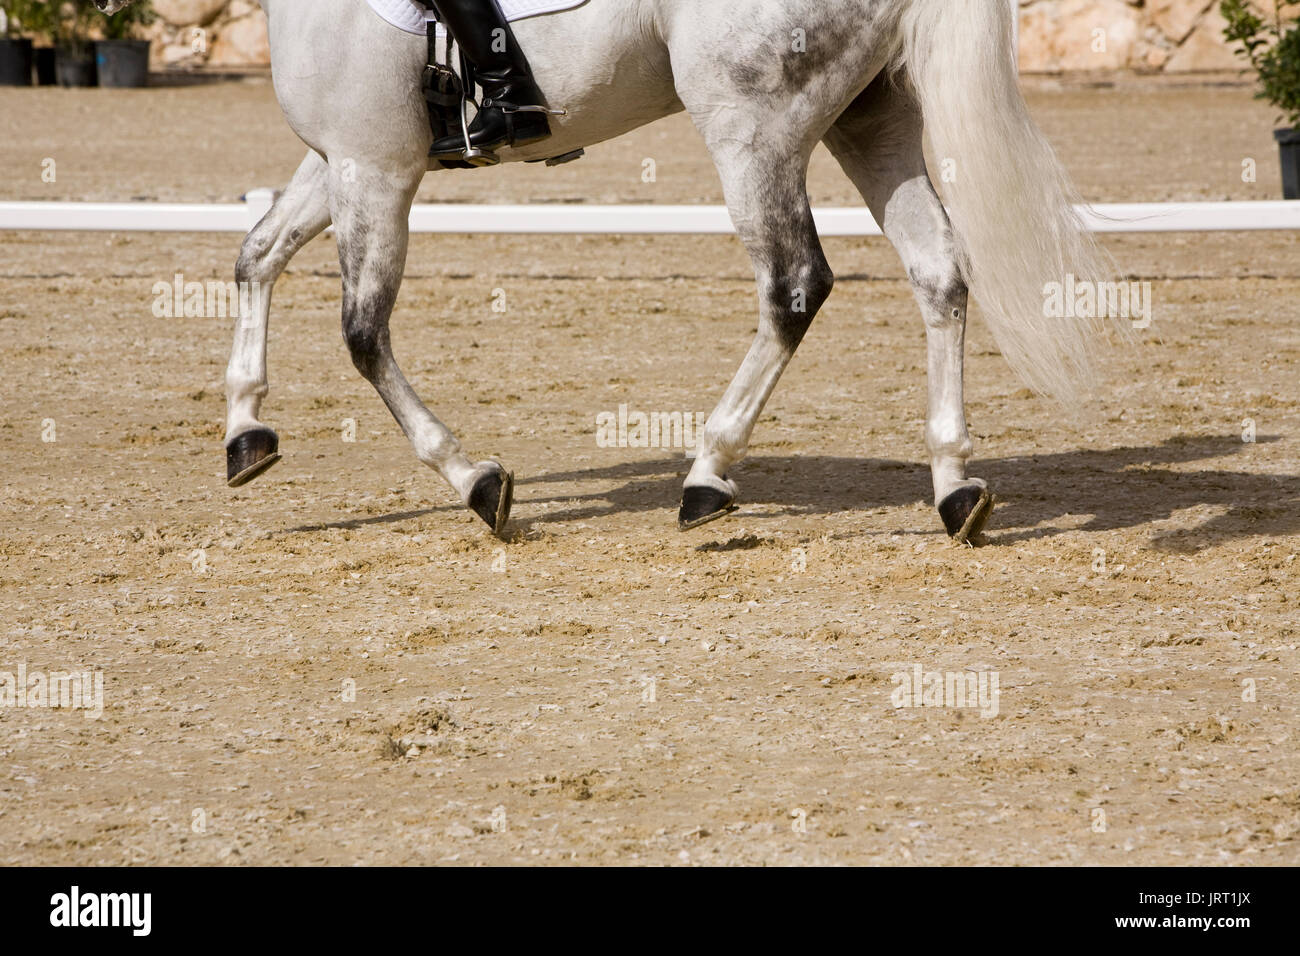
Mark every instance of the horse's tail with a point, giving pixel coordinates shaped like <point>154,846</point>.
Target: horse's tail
<point>1011,202</point>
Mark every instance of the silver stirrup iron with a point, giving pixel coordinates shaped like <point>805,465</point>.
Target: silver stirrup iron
<point>471,155</point>
<point>485,157</point>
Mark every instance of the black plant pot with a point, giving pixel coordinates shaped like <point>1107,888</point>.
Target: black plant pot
<point>122,63</point>
<point>1288,145</point>
<point>45,72</point>
<point>74,67</point>
<point>15,62</point>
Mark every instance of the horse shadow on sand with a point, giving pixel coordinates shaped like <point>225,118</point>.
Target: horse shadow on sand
<point>1039,496</point>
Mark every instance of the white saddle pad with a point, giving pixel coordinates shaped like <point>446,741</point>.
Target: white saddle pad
<point>409,15</point>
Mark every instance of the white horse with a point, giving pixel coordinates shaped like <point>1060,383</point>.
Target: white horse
<point>764,82</point>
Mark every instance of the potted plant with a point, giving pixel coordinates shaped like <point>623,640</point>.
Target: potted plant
<point>74,50</point>
<point>121,59</point>
<point>15,49</point>
<point>1273,49</point>
<point>42,24</point>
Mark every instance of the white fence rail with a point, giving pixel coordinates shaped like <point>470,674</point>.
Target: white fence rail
<point>559,219</point>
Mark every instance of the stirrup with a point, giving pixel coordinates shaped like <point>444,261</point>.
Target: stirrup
<point>479,157</point>
<point>472,154</point>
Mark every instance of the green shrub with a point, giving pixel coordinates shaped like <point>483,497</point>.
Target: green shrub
<point>1273,49</point>
<point>73,23</point>
<point>122,25</point>
<point>37,19</point>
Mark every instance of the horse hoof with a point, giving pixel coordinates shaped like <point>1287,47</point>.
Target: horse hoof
<point>702,504</point>
<point>491,498</point>
<point>966,511</point>
<point>250,454</point>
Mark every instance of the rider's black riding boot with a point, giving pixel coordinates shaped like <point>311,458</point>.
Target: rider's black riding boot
<point>512,112</point>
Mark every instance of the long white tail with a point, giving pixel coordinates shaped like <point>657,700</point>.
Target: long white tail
<point>1011,202</point>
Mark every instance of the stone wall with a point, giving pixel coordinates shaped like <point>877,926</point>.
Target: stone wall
<point>1171,36</point>
<point>215,33</point>
<point>1149,36</point>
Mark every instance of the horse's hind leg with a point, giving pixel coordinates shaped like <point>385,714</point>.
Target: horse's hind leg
<point>370,209</point>
<point>766,195</point>
<point>878,143</point>
<point>299,213</point>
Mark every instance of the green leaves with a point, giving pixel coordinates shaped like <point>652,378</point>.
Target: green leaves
<point>121,25</point>
<point>30,18</point>
<point>1273,50</point>
<point>73,21</point>
<point>1244,26</point>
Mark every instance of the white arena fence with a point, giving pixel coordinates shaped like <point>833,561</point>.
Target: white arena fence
<point>563,218</point>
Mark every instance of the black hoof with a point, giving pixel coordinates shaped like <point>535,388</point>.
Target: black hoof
<point>250,454</point>
<point>703,504</point>
<point>966,511</point>
<point>491,498</point>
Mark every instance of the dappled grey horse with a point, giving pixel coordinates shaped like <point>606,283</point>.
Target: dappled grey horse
<point>764,82</point>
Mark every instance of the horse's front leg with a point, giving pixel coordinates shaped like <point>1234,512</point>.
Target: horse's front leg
<point>299,213</point>
<point>371,207</point>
